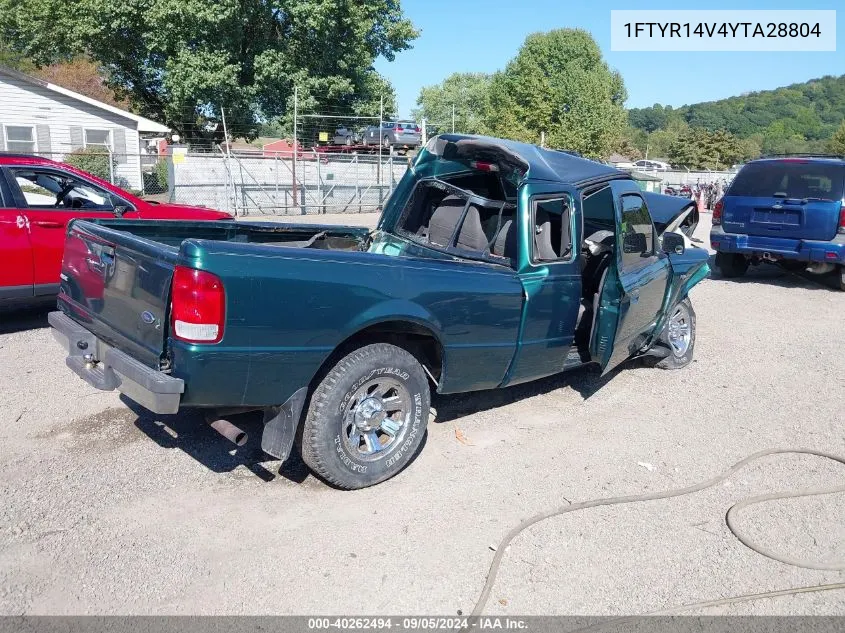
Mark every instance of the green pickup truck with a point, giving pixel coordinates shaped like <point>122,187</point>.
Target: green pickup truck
<point>494,263</point>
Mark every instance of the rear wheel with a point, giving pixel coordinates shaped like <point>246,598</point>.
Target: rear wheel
<point>842,277</point>
<point>367,417</point>
<point>679,336</point>
<point>731,264</point>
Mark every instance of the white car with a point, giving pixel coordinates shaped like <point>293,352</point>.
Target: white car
<point>654,165</point>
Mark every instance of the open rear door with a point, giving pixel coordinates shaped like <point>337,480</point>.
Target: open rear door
<point>607,302</point>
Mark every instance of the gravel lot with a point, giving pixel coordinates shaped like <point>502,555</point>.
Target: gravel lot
<point>107,510</point>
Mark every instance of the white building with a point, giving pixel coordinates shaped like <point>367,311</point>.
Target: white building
<point>37,117</point>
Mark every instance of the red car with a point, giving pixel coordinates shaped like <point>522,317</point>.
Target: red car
<point>38,197</point>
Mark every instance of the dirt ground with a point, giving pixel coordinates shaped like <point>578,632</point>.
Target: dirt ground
<point>106,509</point>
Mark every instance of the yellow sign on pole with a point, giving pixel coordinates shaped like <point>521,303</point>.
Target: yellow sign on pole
<point>179,154</point>
<point>324,136</point>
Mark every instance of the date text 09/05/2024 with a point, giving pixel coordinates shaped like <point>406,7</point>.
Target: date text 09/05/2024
<point>725,29</point>
<point>417,623</point>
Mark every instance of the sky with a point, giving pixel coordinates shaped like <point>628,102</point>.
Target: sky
<point>482,36</point>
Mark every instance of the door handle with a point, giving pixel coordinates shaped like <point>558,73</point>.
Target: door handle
<point>48,224</point>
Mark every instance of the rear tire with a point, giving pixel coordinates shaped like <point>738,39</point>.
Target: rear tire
<point>367,417</point>
<point>679,337</point>
<point>731,264</point>
<point>842,278</point>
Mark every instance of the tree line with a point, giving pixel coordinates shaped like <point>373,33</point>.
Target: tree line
<point>181,62</point>
<point>807,117</point>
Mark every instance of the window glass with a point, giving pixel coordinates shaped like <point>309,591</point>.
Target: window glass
<point>100,138</point>
<point>552,239</point>
<point>20,138</point>
<point>49,189</point>
<point>637,232</point>
<point>791,179</point>
<point>599,212</point>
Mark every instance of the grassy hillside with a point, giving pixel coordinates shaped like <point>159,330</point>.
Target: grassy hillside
<point>798,118</point>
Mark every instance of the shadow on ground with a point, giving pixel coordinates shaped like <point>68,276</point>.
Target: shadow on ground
<point>27,318</point>
<point>775,275</point>
<point>586,381</point>
<point>189,432</point>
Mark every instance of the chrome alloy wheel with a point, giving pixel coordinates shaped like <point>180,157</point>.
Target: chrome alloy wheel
<point>680,330</point>
<point>376,418</point>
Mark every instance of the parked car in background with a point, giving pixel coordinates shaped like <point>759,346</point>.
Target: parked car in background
<point>788,211</point>
<point>393,134</point>
<point>345,136</point>
<point>38,197</point>
<point>494,263</point>
<point>654,165</point>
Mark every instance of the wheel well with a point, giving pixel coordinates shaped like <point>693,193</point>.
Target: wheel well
<point>410,336</point>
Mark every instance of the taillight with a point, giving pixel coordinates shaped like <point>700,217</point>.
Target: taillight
<point>717,212</point>
<point>482,166</point>
<point>417,129</point>
<point>198,306</point>
<point>397,129</point>
<point>842,219</point>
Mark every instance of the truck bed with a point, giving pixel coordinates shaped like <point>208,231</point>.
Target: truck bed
<point>293,293</point>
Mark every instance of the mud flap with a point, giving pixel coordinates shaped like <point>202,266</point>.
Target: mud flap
<point>280,425</point>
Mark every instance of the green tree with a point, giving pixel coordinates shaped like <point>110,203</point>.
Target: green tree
<point>699,149</point>
<point>836,145</point>
<point>467,93</point>
<point>180,61</point>
<point>558,84</point>
<point>94,160</point>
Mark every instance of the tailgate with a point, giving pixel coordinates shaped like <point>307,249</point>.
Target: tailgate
<point>790,218</point>
<point>118,286</point>
<point>791,198</point>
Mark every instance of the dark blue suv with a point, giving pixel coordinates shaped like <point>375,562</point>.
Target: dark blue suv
<point>783,210</point>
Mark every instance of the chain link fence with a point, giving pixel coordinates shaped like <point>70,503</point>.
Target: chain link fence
<point>311,183</point>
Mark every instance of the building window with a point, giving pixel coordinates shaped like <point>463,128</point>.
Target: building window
<point>20,139</point>
<point>99,138</point>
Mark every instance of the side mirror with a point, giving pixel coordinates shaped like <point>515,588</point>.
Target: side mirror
<point>119,210</point>
<point>634,243</point>
<point>673,243</point>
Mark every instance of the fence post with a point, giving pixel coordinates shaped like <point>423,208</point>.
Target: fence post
<point>322,203</point>
<point>295,143</point>
<point>357,181</point>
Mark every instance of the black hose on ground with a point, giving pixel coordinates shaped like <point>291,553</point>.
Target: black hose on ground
<point>730,519</point>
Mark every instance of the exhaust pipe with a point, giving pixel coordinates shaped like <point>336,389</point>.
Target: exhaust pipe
<point>237,436</point>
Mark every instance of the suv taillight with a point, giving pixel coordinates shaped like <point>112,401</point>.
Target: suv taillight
<point>397,129</point>
<point>198,306</point>
<point>842,219</point>
<point>717,212</point>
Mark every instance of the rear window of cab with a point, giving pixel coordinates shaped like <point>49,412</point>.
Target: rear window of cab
<point>790,179</point>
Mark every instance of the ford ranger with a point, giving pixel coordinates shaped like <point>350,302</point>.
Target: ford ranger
<point>494,263</point>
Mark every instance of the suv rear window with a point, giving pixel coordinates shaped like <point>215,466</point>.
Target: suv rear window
<point>791,179</point>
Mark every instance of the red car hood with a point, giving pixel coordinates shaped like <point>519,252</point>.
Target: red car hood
<point>170,211</point>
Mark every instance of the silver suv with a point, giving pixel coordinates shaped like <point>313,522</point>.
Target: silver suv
<point>393,134</point>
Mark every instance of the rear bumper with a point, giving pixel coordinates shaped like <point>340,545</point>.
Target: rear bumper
<point>107,368</point>
<point>832,251</point>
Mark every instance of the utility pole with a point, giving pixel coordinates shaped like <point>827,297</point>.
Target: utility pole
<point>424,135</point>
<point>295,145</point>
<point>543,138</point>
<point>453,118</point>
<point>380,140</point>
<point>228,158</point>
